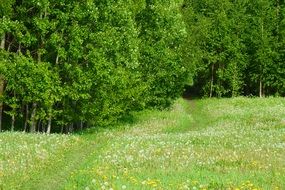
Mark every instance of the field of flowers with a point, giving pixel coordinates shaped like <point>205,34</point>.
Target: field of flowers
<point>235,144</point>
<point>23,155</point>
<point>210,144</point>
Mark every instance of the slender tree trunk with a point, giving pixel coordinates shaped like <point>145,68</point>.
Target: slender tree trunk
<point>13,122</point>
<point>49,125</point>
<point>19,49</point>
<point>1,102</point>
<point>42,127</point>
<point>212,80</point>
<point>3,41</point>
<point>39,57</point>
<point>39,126</point>
<point>33,119</point>
<point>70,128</point>
<point>263,90</point>
<point>66,129</point>
<point>13,115</point>
<point>57,59</point>
<point>9,43</point>
<point>2,83</point>
<point>1,118</point>
<point>81,125</point>
<point>26,118</point>
<point>260,89</point>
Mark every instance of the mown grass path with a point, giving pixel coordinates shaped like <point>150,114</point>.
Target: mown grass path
<point>55,175</point>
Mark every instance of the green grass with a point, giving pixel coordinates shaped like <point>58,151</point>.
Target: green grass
<point>203,144</point>
<point>22,156</point>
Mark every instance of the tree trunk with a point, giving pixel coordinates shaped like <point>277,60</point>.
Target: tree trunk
<point>26,118</point>
<point>39,57</point>
<point>70,128</point>
<point>49,125</point>
<point>212,80</point>
<point>33,119</point>
<point>10,42</point>
<point>1,84</point>
<point>13,122</point>
<point>13,115</point>
<point>19,49</point>
<point>57,59</point>
<point>81,125</point>
<point>41,126</point>
<point>3,41</point>
<point>1,102</point>
<point>260,89</point>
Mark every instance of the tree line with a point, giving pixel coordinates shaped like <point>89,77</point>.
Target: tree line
<point>236,47</point>
<point>68,65</point>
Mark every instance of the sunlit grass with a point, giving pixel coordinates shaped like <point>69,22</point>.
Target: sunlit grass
<point>235,144</point>
<point>22,154</point>
<point>218,144</point>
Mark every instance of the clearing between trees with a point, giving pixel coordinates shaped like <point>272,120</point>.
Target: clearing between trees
<point>234,143</point>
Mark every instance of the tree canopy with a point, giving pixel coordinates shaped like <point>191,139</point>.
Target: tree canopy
<point>67,65</point>
<point>73,64</point>
<point>236,47</point>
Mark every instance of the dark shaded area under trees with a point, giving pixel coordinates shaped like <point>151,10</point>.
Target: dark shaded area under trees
<point>68,65</point>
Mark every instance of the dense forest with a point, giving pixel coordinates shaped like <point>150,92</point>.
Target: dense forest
<point>68,65</point>
<point>236,47</point>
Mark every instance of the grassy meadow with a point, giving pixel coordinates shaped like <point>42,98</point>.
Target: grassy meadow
<point>235,144</point>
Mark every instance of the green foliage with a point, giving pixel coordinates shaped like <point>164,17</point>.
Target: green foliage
<point>234,47</point>
<point>162,32</point>
<point>22,89</point>
<point>77,64</point>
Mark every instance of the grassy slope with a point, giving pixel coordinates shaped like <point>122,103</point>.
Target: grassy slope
<point>203,144</point>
